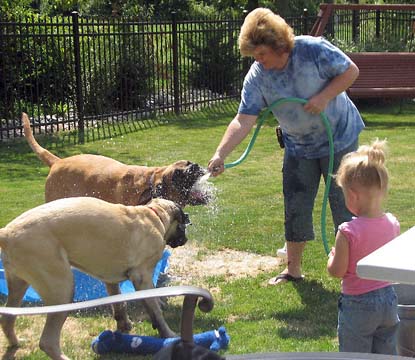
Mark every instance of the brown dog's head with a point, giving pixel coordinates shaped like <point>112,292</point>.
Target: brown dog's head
<point>179,183</point>
<point>176,231</point>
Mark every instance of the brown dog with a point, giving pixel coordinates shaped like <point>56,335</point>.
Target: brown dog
<point>115,182</point>
<point>40,246</point>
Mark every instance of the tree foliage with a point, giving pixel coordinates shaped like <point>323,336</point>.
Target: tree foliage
<point>159,8</point>
<point>9,8</point>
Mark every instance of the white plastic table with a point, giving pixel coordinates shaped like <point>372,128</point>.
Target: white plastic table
<point>394,262</point>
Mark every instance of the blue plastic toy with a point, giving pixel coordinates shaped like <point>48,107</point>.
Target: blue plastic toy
<point>117,342</point>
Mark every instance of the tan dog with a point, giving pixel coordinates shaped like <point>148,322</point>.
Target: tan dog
<point>115,182</point>
<point>40,246</point>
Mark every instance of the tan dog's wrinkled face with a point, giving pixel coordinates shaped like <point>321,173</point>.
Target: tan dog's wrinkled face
<point>179,184</point>
<point>176,234</point>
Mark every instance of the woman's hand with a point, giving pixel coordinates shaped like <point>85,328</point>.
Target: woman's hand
<point>236,131</point>
<point>216,165</point>
<point>316,105</point>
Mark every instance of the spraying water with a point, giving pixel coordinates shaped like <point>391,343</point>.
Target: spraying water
<point>207,190</point>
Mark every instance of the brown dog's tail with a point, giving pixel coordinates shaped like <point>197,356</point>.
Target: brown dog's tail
<point>44,155</point>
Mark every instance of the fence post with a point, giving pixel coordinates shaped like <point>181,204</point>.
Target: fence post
<point>355,25</point>
<point>305,21</point>
<point>377,24</point>
<point>412,36</point>
<point>175,44</point>
<point>78,88</point>
<point>246,62</point>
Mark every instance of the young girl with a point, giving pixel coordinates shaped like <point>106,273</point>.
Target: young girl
<point>367,319</point>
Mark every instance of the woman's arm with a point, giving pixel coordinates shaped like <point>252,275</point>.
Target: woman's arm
<point>339,257</point>
<point>236,131</point>
<point>340,83</point>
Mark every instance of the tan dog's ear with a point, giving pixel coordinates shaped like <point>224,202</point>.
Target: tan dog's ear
<point>183,219</point>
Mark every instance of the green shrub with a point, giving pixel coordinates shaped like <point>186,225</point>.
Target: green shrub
<point>119,78</point>
<point>215,61</point>
<point>34,69</point>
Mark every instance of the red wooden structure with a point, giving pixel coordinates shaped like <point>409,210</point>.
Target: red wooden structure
<point>382,74</point>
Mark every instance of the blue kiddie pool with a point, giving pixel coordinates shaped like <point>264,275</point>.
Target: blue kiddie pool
<point>87,287</point>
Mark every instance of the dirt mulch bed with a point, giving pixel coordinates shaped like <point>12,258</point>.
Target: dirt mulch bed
<point>190,264</point>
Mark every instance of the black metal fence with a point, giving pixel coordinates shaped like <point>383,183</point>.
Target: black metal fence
<point>87,72</point>
<point>75,72</point>
<point>372,28</point>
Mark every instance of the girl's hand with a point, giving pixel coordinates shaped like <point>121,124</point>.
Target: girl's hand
<point>338,261</point>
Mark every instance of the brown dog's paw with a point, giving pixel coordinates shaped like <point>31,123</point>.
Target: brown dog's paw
<point>124,326</point>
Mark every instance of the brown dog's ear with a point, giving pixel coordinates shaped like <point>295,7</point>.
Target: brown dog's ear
<point>160,189</point>
<point>133,196</point>
<point>178,177</point>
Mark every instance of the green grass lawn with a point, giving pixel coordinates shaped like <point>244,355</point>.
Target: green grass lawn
<point>247,214</point>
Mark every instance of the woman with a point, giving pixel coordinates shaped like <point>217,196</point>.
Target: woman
<point>304,67</point>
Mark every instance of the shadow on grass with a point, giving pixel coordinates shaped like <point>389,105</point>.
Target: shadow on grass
<point>10,353</point>
<point>205,117</point>
<point>393,124</point>
<point>318,316</point>
<point>388,114</point>
<point>19,161</point>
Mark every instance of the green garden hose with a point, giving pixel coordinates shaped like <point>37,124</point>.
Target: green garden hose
<point>331,156</point>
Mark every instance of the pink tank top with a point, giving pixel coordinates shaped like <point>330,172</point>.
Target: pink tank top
<point>365,235</point>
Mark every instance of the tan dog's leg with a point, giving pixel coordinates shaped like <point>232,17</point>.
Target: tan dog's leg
<point>152,305</point>
<point>119,310</point>
<point>17,288</point>
<point>50,339</point>
<point>56,286</point>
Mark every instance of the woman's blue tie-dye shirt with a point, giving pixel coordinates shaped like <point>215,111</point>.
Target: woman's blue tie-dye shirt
<point>312,64</point>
